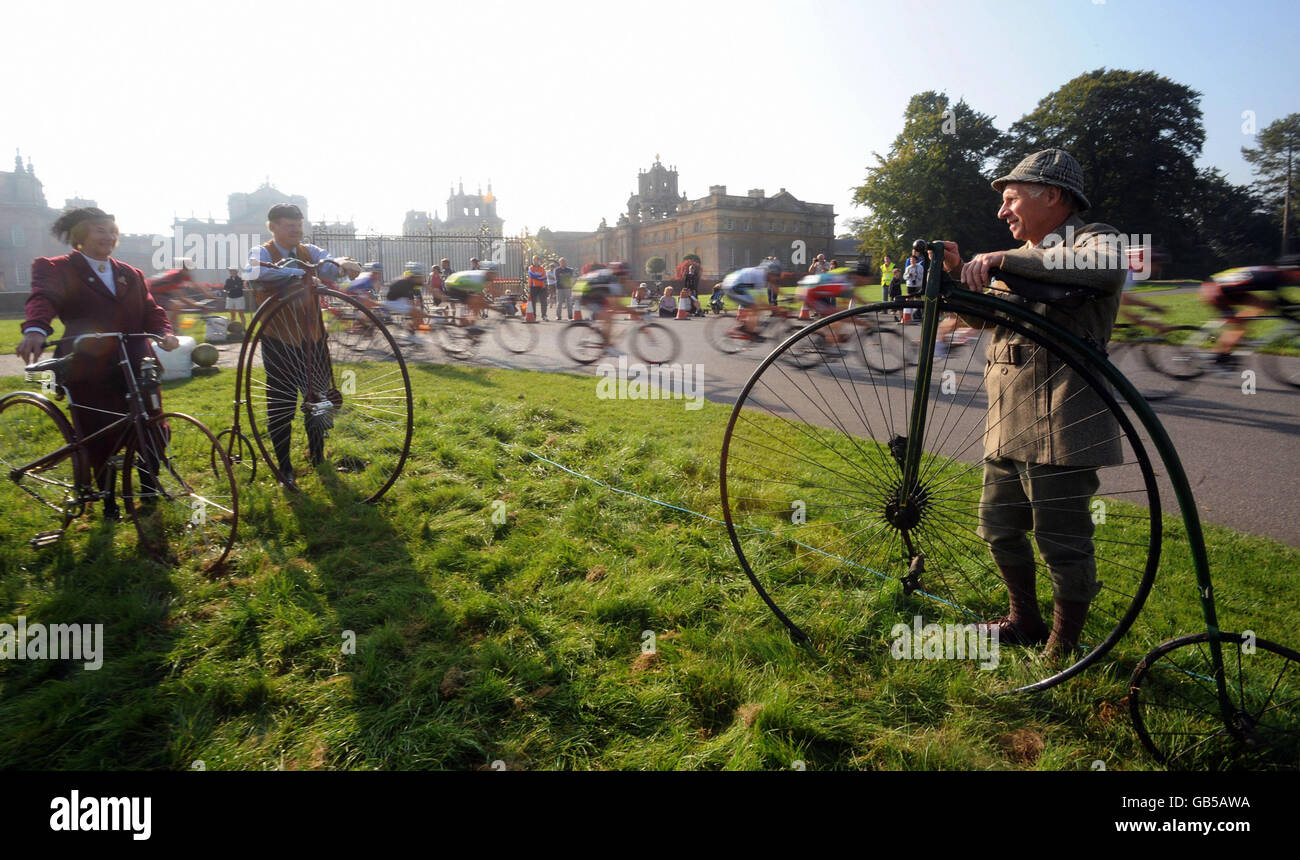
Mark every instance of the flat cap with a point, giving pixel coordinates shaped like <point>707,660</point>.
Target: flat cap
<point>284,210</point>
<point>1048,167</point>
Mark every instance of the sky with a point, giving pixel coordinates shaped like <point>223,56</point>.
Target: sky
<point>162,109</point>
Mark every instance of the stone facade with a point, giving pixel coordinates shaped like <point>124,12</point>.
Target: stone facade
<point>466,216</point>
<point>726,231</point>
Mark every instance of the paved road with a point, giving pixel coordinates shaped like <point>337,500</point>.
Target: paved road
<point>1241,451</point>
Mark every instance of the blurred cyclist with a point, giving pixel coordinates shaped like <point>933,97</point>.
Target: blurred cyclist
<point>1243,287</point>
<point>740,286</point>
<point>603,288</point>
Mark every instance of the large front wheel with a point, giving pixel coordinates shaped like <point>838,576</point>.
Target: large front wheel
<point>325,418</point>
<point>812,481</point>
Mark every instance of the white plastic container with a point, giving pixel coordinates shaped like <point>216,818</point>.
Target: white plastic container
<point>177,364</point>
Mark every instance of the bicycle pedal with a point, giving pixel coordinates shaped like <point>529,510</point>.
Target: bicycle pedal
<point>44,539</point>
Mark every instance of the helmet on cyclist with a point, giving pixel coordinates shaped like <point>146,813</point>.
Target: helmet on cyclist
<point>413,268</point>
<point>618,268</point>
<point>373,267</point>
<point>773,268</point>
<point>489,266</point>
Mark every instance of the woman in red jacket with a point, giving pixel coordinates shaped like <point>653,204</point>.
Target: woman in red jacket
<point>89,291</point>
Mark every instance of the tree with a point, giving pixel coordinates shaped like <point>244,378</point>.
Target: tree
<point>1232,223</point>
<point>1137,136</point>
<point>934,183</point>
<point>655,266</point>
<point>680,272</point>
<point>1275,168</point>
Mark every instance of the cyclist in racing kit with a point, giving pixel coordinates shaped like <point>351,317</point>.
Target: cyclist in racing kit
<point>368,284</point>
<point>404,294</point>
<point>601,291</point>
<point>468,287</point>
<point>1229,289</point>
<point>738,286</point>
<point>820,291</point>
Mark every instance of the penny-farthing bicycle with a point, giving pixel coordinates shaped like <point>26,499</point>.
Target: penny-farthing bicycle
<point>301,356</point>
<point>846,474</point>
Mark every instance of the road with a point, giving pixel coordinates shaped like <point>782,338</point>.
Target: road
<point>1240,450</point>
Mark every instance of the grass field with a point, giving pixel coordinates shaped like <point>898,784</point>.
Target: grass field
<point>523,641</point>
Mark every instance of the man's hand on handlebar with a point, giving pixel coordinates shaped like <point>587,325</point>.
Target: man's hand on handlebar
<point>975,274</point>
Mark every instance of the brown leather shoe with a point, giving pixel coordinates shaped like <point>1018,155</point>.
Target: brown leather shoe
<point>1011,633</point>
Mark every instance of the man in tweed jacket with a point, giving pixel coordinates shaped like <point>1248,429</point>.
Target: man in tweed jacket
<point>1046,432</point>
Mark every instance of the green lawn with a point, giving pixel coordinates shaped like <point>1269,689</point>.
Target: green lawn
<point>522,641</point>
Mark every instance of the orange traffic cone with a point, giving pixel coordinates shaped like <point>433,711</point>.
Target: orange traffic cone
<point>577,313</point>
<point>530,315</point>
<point>804,312</point>
<point>683,306</point>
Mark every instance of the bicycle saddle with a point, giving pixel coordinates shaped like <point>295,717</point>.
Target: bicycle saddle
<point>49,364</point>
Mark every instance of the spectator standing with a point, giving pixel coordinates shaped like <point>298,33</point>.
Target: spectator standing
<point>537,286</point>
<point>888,273</point>
<point>563,290</point>
<point>234,290</point>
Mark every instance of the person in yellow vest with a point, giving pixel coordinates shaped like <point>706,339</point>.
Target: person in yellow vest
<point>888,272</point>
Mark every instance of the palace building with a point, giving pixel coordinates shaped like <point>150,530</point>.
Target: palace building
<point>726,231</point>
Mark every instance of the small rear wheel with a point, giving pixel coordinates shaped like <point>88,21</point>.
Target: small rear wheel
<point>1175,706</point>
<point>242,455</point>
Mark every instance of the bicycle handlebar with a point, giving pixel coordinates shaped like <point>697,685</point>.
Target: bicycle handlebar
<point>95,335</point>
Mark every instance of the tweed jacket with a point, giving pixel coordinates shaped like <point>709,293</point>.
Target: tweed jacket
<point>1041,411</point>
<point>66,288</point>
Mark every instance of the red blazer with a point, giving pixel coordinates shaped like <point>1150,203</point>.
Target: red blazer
<point>65,287</point>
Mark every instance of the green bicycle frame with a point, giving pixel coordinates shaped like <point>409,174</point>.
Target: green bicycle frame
<point>934,290</point>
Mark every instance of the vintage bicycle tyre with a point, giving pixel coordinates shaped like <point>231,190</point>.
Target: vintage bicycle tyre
<point>514,335</point>
<point>581,342</point>
<point>183,501</point>
<point>45,500</point>
<point>653,343</point>
<point>1173,703</point>
<point>355,442</point>
<point>829,438</point>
